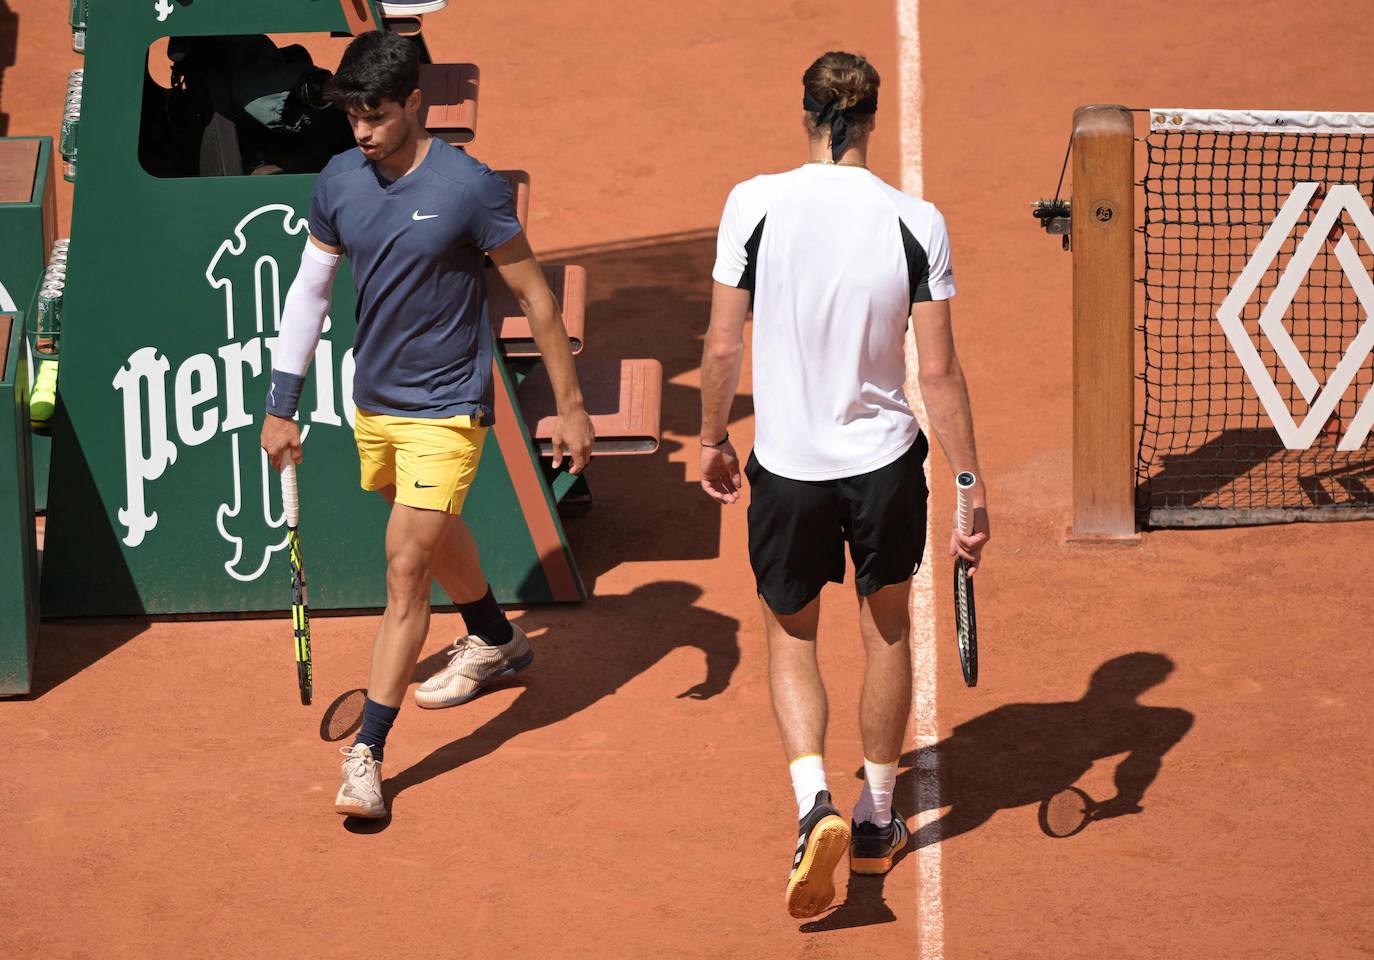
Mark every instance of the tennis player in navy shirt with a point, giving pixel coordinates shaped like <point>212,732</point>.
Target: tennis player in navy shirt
<point>415,217</point>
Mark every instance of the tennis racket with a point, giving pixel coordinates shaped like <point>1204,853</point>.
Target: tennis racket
<point>300,609</point>
<point>966,622</point>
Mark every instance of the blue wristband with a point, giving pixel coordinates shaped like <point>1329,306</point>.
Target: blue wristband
<point>284,394</point>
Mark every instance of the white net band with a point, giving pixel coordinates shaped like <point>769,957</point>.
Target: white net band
<point>1165,119</point>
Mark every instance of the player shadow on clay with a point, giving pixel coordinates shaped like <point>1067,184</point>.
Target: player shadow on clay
<point>1023,753</point>
<point>585,655</point>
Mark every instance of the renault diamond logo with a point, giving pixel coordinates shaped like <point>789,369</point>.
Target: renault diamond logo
<point>1321,399</point>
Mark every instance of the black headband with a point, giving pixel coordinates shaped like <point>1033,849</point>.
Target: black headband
<point>829,114</point>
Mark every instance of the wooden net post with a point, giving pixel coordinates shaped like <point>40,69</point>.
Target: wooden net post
<point>1103,235</point>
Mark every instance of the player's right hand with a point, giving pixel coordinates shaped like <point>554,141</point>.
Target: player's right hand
<point>281,438</point>
<point>574,434</point>
<point>720,476</point>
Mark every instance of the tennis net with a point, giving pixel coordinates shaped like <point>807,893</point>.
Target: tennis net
<point>1256,322</point>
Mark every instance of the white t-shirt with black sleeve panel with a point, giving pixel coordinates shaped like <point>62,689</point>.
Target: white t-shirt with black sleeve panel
<point>834,258</point>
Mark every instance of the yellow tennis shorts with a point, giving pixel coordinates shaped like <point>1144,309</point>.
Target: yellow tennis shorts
<point>432,462</point>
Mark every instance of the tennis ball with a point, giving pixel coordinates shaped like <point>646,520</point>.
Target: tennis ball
<point>43,397</point>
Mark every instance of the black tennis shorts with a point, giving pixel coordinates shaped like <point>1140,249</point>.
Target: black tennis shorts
<point>798,529</point>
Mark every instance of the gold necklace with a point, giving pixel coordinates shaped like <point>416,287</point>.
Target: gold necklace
<point>839,163</point>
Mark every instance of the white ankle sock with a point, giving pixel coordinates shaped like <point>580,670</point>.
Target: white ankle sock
<point>808,779</point>
<point>875,803</point>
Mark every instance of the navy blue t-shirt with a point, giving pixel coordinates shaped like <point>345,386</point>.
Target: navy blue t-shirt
<point>423,347</point>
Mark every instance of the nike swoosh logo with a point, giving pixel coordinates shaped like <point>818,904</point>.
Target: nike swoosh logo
<point>428,216</point>
<point>424,486</point>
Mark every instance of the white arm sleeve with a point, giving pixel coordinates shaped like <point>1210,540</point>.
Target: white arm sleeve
<point>307,304</point>
<point>302,321</point>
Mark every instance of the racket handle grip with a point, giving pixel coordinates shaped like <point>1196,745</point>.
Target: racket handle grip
<point>289,497</point>
<point>965,482</point>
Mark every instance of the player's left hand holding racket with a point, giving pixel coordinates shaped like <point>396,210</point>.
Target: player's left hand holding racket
<point>281,438</point>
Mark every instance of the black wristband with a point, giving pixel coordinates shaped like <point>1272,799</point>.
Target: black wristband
<point>719,443</point>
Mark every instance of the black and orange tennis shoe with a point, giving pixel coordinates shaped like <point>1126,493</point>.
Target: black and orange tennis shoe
<point>873,849</point>
<point>823,840</point>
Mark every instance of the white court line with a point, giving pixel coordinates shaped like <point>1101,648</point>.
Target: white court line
<point>930,902</point>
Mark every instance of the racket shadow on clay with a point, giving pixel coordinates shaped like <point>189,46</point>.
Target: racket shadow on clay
<point>1068,812</point>
<point>343,716</point>
<point>1028,754</point>
<point>1031,755</point>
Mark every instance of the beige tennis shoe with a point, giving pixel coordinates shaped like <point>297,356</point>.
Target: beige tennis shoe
<point>472,667</point>
<point>360,793</point>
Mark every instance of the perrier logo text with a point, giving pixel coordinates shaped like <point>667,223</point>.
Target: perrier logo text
<point>216,397</point>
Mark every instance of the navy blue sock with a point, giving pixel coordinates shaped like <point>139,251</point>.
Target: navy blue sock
<point>377,721</point>
<point>487,621</point>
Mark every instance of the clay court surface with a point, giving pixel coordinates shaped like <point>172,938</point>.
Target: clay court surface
<point>167,796</point>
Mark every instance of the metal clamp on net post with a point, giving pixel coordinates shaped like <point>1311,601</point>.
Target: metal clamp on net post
<point>1056,218</point>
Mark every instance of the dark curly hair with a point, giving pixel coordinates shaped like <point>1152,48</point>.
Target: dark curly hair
<point>376,66</point>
